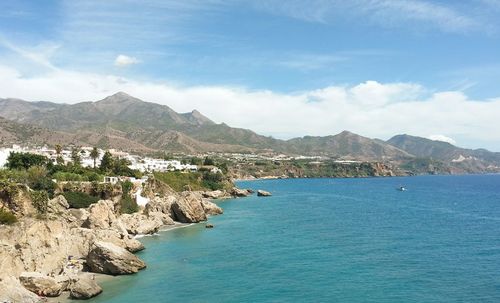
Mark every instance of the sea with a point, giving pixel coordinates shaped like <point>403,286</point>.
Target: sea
<point>332,240</point>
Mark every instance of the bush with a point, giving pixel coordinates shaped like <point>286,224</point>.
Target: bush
<point>79,200</point>
<point>6,217</point>
<point>44,184</point>
<point>128,205</point>
<point>213,181</point>
<point>40,199</point>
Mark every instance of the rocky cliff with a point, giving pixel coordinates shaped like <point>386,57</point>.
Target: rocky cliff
<point>42,257</point>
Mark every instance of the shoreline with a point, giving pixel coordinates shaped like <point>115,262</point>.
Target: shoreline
<point>99,278</point>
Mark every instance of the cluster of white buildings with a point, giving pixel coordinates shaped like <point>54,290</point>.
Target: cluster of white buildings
<point>136,162</point>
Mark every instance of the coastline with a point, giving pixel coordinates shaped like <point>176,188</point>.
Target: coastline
<point>99,278</point>
<point>61,244</point>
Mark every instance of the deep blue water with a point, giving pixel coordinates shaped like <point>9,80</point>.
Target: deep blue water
<point>332,240</point>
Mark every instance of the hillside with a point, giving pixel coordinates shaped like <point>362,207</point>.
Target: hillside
<point>346,145</point>
<point>128,123</point>
<point>458,160</point>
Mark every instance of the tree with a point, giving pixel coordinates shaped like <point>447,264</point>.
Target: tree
<point>208,161</point>
<point>58,149</point>
<point>25,160</point>
<point>75,156</point>
<point>106,162</point>
<point>59,158</point>
<point>94,154</point>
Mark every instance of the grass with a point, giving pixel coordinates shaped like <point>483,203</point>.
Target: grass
<point>179,181</point>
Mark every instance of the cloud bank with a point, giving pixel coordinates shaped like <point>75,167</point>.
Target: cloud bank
<point>370,108</point>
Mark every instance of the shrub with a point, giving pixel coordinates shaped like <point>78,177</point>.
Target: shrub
<point>40,199</point>
<point>44,184</point>
<point>6,217</point>
<point>127,187</point>
<point>128,205</point>
<point>213,181</point>
<point>79,200</point>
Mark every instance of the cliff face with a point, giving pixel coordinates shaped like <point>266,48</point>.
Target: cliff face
<point>66,241</point>
<point>313,169</point>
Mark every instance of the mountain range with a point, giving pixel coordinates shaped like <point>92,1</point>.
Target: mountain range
<point>127,123</point>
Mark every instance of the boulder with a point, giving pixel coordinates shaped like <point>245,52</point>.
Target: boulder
<point>216,194</point>
<point>57,205</point>
<point>107,258</point>
<point>161,204</point>
<point>211,208</point>
<point>11,290</point>
<point>263,193</point>
<point>84,287</point>
<point>133,245</point>
<point>164,218</point>
<point>188,209</point>
<point>123,240</point>
<point>63,281</point>
<point>236,192</point>
<point>40,284</point>
<point>101,215</point>
<point>141,224</point>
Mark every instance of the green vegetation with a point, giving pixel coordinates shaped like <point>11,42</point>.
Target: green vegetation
<point>6,217</point>
<point>128,205</point>
<point>180,181</point>
<point>40,199</point>
<point>25,160</point>
<point>79,200</point>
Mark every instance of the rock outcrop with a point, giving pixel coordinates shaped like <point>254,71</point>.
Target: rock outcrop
<point>236,192</point>
<point>40,284</point>
<point>101,215</point>
<point>57,205</point>
<point>141,224</point>
<point>11,290</point>
<point>263,193</point>
<point>84,287</point>
<point>107,258</point>
<point>216,194</point>
<point>162,205</point>
<point>211,208</point>
<point>188,208</point>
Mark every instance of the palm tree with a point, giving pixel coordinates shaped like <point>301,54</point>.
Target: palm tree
<point>59,159</point>
<point>75,156</point>
<point>58,149</point>
<point>94,154</point>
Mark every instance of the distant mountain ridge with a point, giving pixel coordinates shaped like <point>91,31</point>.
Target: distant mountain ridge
<point>128,123</point>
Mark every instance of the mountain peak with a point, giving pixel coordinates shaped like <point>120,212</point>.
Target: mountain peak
<point>121,94</point>
<point>119,97</point>
<point>198,118</point>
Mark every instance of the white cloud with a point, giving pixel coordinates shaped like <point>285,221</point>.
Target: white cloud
<point>123,60</point>
<point>442,138</point>
<point>371,108</point>
<point>391,13</point>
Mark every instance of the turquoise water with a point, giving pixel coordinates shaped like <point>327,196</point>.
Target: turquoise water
<point>332,240</point>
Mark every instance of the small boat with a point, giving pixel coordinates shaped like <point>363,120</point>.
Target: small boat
<point>402,188</point>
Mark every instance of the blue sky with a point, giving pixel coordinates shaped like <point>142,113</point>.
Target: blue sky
<point>278,49</point>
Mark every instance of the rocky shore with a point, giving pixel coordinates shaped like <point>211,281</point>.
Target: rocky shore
<point>60,253</point>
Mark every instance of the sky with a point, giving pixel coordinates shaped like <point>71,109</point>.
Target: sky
<point>281,68</point>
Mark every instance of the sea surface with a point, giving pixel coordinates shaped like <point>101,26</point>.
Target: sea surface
<point>332,240</point>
